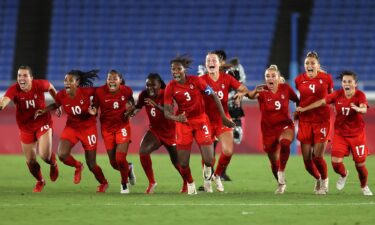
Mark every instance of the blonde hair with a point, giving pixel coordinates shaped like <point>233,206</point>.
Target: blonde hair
<point>275,68</point>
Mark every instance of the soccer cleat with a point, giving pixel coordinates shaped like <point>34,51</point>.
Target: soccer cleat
<point>201,188</point>
<point>280,189</point>
<point>225,177</point>
<point>39,186</point>
<point>78,174</point>
<point>151,187</point>
<point>132,177</point>
<point>191,189</point>
<point>324,184</point>
<point>207,186</point>
<point>207,172</point>
<point>54,172</point>
<point>102,187</point>
<point>219,185</point>
<point>281,177</point>
<point>340,184</point>
<point>184,188</point>
<point>366,191</point>
<point>317,186</point>
<point>124,189</point>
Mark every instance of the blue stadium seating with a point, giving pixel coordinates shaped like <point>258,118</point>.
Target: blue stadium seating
<point>8,30</point>
<point>343,34</point>
<point>139,37</point>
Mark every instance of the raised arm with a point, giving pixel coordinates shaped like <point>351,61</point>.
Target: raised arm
<point>4,101</point>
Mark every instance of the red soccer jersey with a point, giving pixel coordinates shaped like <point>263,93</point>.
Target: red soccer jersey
<point>348,122</point>
<point>112,106</point>
<point>312,90</point>
<point>77,108</point>
<point>188,96</point>
<point>274,108</point>
<point>28,102</point>
<point>222,87</point>
<point>158,123</point>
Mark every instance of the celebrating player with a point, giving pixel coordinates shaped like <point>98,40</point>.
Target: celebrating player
<point>161,130</point>
<point>75,99</point>
<point>314,125</point>
<point>350,104</point>
<point>191,119</point>
<point>221,83</point>
<point>28,96</point>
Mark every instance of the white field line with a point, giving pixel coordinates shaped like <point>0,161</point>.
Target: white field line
<point>7,205</point>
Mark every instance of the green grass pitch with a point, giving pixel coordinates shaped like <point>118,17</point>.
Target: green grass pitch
<point>248,199</point>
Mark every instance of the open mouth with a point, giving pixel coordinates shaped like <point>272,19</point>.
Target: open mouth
<point>67,88</point>
<point>310,70</point>
<point>176,76</point>
<point>22,84</point>
<point>112,86</point>
<point>347,88</point>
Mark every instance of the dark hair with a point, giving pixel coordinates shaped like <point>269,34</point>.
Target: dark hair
<point>118,74</point>
<point>184,60</point>
<point>156,76</point>
<point>221,53</point>
<point>347,73</point>
<point>85,78</point>
<point>313,54</point>
<point>24,67</point>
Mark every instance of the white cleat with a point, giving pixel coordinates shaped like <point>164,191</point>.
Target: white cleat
<point>132,178</point>
<point>208,172</point>
<point>124,189</point>
<point>207,186</point>
<point>280,189</point>
<point>191,189</point>
<point>324,184</point>
<point>366,191</point>
<point>219,184</point>
<point>317,186</point>
<point>340,184</point>
<point>281,177</point>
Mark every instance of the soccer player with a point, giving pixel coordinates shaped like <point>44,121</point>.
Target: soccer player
<point>114,99</point>
<point>191,119</point>
<point>221,83</point>
<point>276,125</point>
<point>75,99</point>
<point>28,96</point>
<point>314,125</point>
<point>161,130</point>
<point>350,104</point>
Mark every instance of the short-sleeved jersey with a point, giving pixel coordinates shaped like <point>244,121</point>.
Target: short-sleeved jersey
<point>112,106</point>
<point>188,96</point>
<point>312,90</point>
<point>158,123</point>
<point>274,108</point>
<point>77,107</point>
<point>222,87</point>
<point>28,102</point>
<point>348,122</point>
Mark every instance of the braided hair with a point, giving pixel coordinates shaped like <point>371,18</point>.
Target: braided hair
<point>184,60</point>
<point>85,78</point>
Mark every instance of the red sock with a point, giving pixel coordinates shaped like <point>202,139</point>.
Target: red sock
<point>123,166</point>
<point>222,164</point>
<point>187,174</point>
<point>311,168</point>
<point>52,160</point>
<point>147,167</point>
<point>339,168</point>
<point>362,174</point>
<point>71,161</point>
<point>321,165</point>
<point>284,153</point>
<point>34,169</point>
<point>97,171</point>
<point>113,163</point>
<point>275,167</point>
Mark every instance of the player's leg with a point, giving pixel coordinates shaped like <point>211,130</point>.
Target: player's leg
<point>46,153</point>
<point>29,150</point>
<point>174,159</point>
<point>90,156</point>
<point>285,140</point>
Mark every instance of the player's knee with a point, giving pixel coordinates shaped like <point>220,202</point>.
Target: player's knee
<point>285,143</point>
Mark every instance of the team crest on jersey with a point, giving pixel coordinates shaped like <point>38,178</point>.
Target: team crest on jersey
<point>320,81</point>
<point>81,102</point>
<point>222,86</point>
<point>123,98</point>
<point>282,97</point>
<point>35,96</point>
<point>191,86</point>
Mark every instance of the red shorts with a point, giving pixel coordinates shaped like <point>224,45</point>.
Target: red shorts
<point>342,146</point>
<point>218,129</point>
<point>311,133</point>
<point>111,138</point>
<point>88,136</point>
<point>271,142</point>
<point>197,128</point>
<point>165,138</point>
<point>31,136</point>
